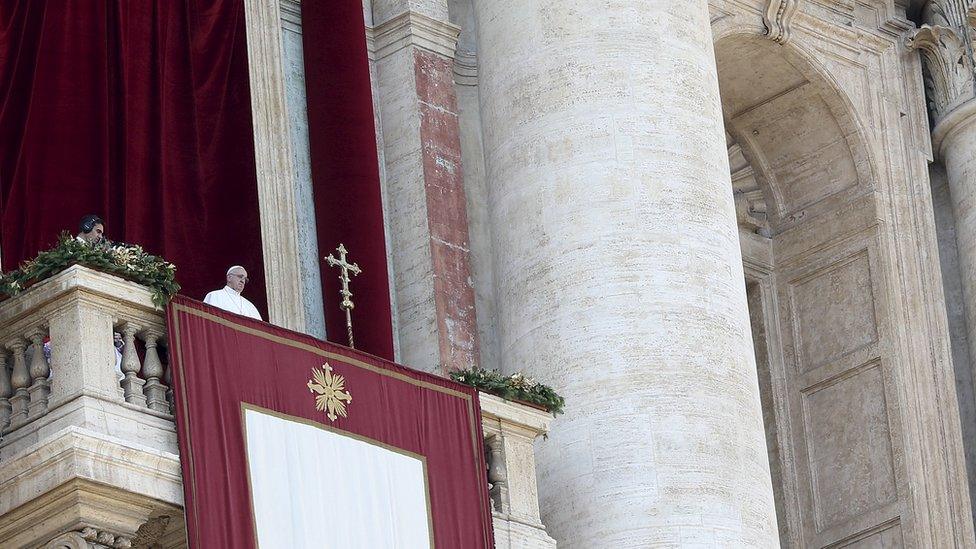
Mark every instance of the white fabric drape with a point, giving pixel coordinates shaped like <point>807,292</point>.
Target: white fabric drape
<point>314,488</point>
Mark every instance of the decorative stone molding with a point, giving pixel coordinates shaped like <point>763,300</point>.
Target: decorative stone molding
<point>778,18</point>
<point>149,533</point>
<point>948,67</point>
<point>466,68</point>
<point>90,538</point>
<point>93,538</point>
<point>71,540</point>
<point>414,29</point>
<point>946,41</point>
<point>291,15</point>
<point>750,202</point>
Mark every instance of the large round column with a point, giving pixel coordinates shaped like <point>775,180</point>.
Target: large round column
<point>618,269</point>
<point>955,139</point>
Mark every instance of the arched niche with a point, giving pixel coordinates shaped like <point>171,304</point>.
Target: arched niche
<point>803,181</point>
<point>793,126</point>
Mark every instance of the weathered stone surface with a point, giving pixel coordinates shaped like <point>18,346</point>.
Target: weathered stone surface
<point>617,270</point>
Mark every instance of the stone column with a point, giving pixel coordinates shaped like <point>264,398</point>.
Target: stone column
<point>946,43</point>
<point>618,271</point>
<point>413,47</point>
<point>958,152</point>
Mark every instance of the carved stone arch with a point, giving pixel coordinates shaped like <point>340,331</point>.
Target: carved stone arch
<point>806,79</point>
<point>805,142</point>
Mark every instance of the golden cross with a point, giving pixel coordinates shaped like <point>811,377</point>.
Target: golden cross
<point>344,269</point>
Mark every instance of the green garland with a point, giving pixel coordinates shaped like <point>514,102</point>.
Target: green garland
<point>126,261</point>
<point>513,387</point>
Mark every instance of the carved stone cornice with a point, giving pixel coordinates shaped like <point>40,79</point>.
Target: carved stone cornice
<point>413,29</point>
<point>778,18</point>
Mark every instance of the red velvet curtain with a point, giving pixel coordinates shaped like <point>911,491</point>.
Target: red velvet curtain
<point>138,111</point>
<point>345,169</point>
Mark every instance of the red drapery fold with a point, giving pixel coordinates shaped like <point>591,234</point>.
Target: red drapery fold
<point>345,169</point>
<point>138,112</point>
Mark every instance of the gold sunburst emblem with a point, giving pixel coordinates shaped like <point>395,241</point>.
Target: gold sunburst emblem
<point>330,394</point>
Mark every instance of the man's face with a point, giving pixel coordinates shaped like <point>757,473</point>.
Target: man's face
<point>236,279</point>
<point>95,235</point>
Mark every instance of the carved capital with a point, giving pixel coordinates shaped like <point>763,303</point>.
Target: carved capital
<point>945,43</point>
<point>948,67</point>
<point>778,18</point>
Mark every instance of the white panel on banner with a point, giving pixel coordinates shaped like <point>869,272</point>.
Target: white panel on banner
<point>315,488</point>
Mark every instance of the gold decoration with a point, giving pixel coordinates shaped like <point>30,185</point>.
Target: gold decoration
<point>344,269</point>
<point>329,392</point>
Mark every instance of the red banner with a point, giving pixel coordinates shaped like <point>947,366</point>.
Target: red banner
<point>224,365</point>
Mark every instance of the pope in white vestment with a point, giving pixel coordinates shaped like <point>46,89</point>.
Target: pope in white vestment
<point>229,297</point>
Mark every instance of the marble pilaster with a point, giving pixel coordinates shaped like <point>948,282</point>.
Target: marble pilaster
<point>413,49</point>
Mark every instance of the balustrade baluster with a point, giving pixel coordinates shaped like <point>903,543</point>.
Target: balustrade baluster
<point>132,384</point>
<point>39,371</point>
<point>497,473</point>
<point>168,380</point>
<point>19,380</point>
<point>152,369</point>
<point>6,390</point>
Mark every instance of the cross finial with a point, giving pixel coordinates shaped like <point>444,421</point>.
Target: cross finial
<point>344,269</point>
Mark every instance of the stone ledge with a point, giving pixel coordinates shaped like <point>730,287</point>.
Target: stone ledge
<point>412,29</point>
<point>77,453</point>
<point>530,419</point>
<point>101,287</point>
<point>81,503</point>
<point>92,411</point>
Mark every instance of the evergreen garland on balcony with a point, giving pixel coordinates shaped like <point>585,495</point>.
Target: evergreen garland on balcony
<point>514,387</point>
<point>126,261</point>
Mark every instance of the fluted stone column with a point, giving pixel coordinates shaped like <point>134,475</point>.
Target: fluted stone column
<point>618,270</point>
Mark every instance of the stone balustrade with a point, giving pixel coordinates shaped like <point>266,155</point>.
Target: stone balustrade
<point>83,450</point>
<point>89,457</point>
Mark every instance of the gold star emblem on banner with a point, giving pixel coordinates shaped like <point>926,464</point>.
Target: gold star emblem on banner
<point>330,394</point>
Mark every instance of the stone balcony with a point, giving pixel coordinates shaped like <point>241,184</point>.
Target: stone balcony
<point>89,460</point>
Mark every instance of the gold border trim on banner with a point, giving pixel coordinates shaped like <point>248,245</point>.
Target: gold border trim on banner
<point>245,406</point>
<point>473,427</point>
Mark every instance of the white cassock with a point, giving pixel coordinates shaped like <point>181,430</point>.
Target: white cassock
<point>229,300</point>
